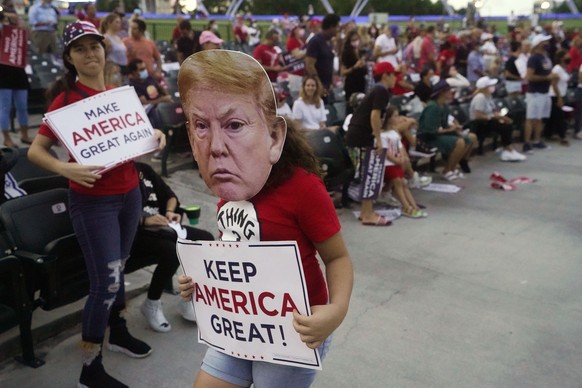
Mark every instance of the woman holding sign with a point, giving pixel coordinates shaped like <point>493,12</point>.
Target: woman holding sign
<point>105,209</point>
<point>256,163</point>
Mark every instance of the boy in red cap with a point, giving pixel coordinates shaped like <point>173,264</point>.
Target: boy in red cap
<point>365,128</point>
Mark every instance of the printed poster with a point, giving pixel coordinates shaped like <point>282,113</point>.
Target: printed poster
<point>106,129</point>
<point>372,174</point>
<point>244,298</point>
<point>13,46</point>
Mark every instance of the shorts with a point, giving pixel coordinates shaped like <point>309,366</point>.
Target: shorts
<point>538,106</point>
<point>393,172</point>
<point>262,374</point>
<point>446,142</point>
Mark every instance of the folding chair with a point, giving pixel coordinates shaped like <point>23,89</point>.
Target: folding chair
<point>333,159</point>
<point>16,307</point>
<point>38,231</point>
<point>173,123</point>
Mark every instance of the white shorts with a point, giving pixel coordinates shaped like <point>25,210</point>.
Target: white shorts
<point>538,106</point>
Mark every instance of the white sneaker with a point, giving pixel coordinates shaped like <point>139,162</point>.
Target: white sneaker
<point>187,310</point>
<point>418,181</point>
<point>152,310</point>
<point>450,176</point>
<point>459,174</point>
<point>518,156</point>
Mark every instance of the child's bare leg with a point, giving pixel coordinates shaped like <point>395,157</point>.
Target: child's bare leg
<point>399,187</point>
<point>409,197</point>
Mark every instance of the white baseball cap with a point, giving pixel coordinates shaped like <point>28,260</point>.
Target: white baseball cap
<point>485,82</point>
<point>539,39</point>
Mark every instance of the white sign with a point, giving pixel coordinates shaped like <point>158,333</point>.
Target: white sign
<point>106,129</point>
<point>244,298</point>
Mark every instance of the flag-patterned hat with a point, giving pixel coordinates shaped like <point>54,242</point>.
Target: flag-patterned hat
<point>78,29</point>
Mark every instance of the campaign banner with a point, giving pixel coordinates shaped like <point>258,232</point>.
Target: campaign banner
<point>13,46</point>
<point>372,174</point>
<point>106,129</point>
<point>244,297</point>
<point>291,63</point>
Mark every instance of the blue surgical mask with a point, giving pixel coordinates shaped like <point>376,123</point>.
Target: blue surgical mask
<point>143,74</point>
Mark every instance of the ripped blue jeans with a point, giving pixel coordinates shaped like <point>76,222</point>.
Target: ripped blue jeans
<point>105,226</point>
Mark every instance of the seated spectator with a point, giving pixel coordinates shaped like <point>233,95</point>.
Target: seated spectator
<point>155,243</point>
<point>436,130</point>
<point>283,109</point>
<point>309,109</point>
<point>148,90</point>
<point>209,41</point>
<point>423,89</point>
<point>402,85</point>
<point>113,76</point>
<point>396,159</point>
<point>486,119</point>
<point>556,124</point>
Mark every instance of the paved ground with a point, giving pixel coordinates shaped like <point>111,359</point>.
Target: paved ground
<point>485,292</point>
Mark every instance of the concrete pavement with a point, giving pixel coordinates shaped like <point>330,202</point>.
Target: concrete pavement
<point>485,292</point>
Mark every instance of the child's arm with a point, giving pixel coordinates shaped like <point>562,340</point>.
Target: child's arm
<point>314,329</point>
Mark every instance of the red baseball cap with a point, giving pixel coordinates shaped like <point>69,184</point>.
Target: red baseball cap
<point>384,67</point>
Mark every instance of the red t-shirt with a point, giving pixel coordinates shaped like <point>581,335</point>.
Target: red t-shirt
<point>291,45</point>
<point>398,90</point>
<point>297,210</point>
<point>267,56</point>
<point>118,180</point>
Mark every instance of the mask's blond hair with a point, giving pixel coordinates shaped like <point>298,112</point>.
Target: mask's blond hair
<point>230,72</point>
<point>233,72</point>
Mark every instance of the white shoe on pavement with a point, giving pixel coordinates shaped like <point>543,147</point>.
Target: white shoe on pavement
<point>417,181</point>
<point>187,310</point>
<point>152,310</point>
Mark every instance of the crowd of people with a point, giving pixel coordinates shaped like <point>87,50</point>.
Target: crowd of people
<point>436,68</point>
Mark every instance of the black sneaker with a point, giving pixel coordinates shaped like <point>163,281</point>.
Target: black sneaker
<point>464,164</point>
<point>94,376</point>
<point>541,146</point>
<point>527,149</point>
<point>121,341</point>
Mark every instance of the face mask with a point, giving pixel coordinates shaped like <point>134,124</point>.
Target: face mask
<point>215,27</point>
<point>301,32</point>
<point>355,43</point>
<point>143,74</point>
<point>491,89</point>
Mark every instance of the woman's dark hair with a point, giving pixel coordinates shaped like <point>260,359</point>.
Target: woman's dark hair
<point>425,70</point>
<point>296,153</point>
<point>388,114</point>
<point>65,83</point>
<point>348,53</point>
<point>515,45</point>
<point>560,54</point>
